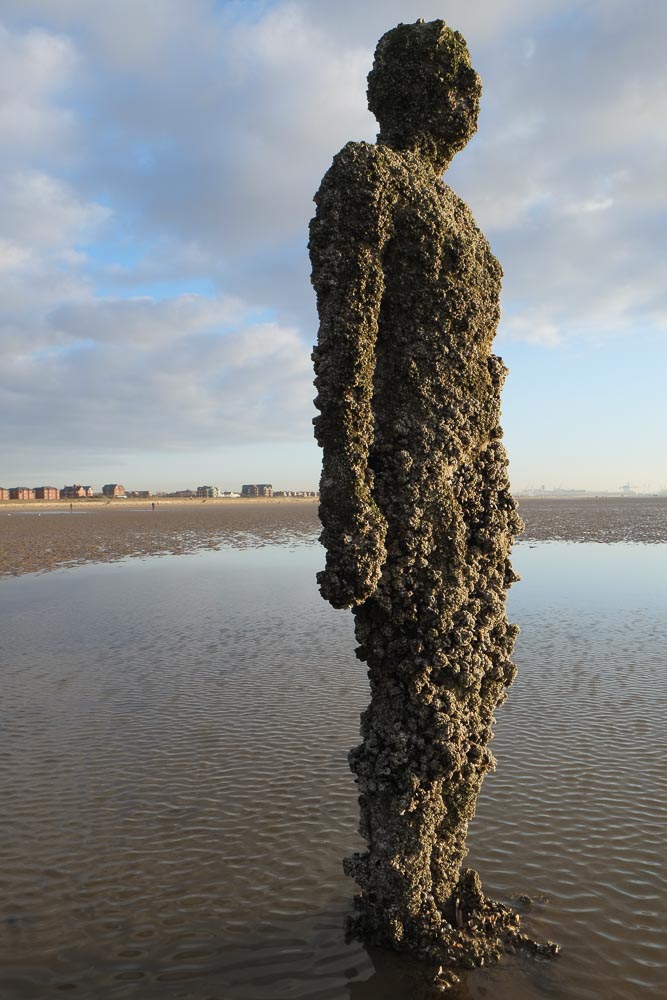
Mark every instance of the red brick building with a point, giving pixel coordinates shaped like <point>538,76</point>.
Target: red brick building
<point>46,493</point>
<point>21,493</point>
<point>4,493</point>
<point>75,491</point>
<point>114,490</point>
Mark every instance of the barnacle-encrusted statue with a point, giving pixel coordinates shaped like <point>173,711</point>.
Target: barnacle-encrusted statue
<point>415,504</point>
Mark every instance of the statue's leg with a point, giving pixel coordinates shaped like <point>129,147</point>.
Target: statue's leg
<point>419,770</point>
<point>415,804</point>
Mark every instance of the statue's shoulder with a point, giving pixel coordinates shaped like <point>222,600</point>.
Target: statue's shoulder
<point>359,166</point>
<point>360,156</point>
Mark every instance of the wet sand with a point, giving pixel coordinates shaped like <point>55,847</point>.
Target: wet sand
<point>36,537</point>
<point>177,798</point>
<point>594,519</point>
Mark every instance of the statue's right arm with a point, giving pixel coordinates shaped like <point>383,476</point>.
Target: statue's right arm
<point>347,238</point>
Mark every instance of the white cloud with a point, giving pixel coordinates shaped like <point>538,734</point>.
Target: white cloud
<point>12,256</point>
<point>180,141</point>
<point>531,327</point>
<point>35,67</point>
<point>41,221</point>
<point>564,174</point>
<point>251,384</point>
<point>143,320</point>
<point>39,211</point>
<point>600,204</point>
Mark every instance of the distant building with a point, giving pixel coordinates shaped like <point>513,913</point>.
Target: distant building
<point>75,492</point>
<point>257,490</point>
<point>46,493</point>
<point>229,493</point>
<point>140,494</point>
<point>187,494</point>
<point>21,493</point>
<point>208,491</point>
<point>114,490</point>
<point>296,493</point>
<point>4,493</point>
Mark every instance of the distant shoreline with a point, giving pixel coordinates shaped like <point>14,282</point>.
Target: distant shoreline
<point>528,497</point>
<point>143,503</point>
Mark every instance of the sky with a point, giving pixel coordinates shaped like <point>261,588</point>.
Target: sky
<point>158,160</point>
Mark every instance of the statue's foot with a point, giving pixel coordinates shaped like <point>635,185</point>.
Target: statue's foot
<point>477,932</point>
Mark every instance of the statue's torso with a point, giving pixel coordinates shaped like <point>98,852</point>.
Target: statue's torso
<point>391,242</point>
<point>436,391</point>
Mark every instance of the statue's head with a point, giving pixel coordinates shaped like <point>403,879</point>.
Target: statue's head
<point>423,90</point>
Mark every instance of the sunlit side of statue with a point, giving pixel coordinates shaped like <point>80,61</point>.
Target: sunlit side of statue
<point>416,511</point>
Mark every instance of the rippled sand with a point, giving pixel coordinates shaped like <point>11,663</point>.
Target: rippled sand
<point>176,797</point>
<point>35,539</point>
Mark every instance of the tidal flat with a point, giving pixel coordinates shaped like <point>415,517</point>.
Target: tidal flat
<point>176,796</point>
<point>37,537</point>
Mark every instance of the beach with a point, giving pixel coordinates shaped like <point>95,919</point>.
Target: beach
<point>594,519</point>
<point>173,759</point>
<point>37,536</point>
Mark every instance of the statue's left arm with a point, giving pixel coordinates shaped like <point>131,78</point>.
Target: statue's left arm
<point>347,237</point>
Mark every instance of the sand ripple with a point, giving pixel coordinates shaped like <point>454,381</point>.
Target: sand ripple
<point>176,798</point>
<point>579,798</point>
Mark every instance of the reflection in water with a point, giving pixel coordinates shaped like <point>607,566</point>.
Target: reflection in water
<point>177,799</point>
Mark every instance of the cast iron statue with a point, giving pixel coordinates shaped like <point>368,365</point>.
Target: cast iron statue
<point>415,504</point>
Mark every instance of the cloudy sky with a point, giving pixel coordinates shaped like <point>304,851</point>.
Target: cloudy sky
<point>158,162</point>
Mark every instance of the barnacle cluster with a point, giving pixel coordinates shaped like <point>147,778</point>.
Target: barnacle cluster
<point>415,505</point>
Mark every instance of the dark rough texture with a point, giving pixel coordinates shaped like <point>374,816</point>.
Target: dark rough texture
<point>415,504</point>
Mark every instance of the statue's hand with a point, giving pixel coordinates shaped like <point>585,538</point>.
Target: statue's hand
<point>355,557</point>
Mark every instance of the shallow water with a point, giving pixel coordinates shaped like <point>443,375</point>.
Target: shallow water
<point>173,739</point>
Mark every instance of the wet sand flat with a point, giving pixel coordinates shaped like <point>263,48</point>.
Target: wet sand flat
<point>177,798</point>
<point>594,519</point>
<point>173,758</point>
<point>38,537</point>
